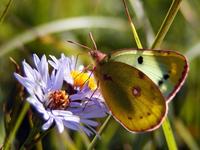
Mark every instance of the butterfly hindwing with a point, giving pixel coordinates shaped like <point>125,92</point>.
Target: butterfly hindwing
<point>134,100</point>
<point>167,69</point>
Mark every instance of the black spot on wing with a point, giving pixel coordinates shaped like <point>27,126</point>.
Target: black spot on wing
<point>140,60</point>
<point>166,76</point>
<point>130,118</point>
<point>148,113</point>
<point>160,82</point>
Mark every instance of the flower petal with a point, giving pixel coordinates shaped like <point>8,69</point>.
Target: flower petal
<point>89,122</point>
<point>66,115</point>
<point>61,113</point>
<point>47,124</point>
<point>71,125</point>
<point>58,80</point>
<point>38,106</point>
<point>59,125</point>
<point>87,131</point>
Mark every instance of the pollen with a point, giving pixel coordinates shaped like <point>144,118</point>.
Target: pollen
<point>81,78</point>
<point>58,100</point>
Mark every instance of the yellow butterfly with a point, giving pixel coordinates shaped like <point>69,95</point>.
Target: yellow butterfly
<point>138,84</point>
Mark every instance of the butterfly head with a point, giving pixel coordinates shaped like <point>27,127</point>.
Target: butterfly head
<point>97,56</point>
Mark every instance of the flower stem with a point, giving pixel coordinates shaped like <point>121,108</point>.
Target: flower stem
<point>139,45</point>
<point>169,135</point>
<point>92,144</point>
<point>166,23</point>
<point>41,136</point>
<point>33,132</point>
<point>5,11</point>
<point>16,126</point>
<point>135,34</point>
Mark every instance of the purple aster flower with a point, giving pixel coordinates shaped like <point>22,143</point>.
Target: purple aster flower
<point>57,98</point>
<point>83,82</point>
<point>81,79</point>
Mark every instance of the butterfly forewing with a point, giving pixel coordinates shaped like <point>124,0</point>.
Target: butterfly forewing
<point>167,69</point>
<point>134,100</point>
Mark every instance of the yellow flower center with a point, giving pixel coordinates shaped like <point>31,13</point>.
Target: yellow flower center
<point>80,79</point>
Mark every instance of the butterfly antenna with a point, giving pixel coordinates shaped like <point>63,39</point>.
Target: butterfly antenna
<point>93,41</point>
<point>81,45</point>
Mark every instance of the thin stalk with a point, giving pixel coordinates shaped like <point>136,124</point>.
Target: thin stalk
<point>32,134</point>
<point>166,23</point>
<point>135,34</point>
<point>143,21</point>
<point>93,143</point>
<point>12,134</point>
<point>137,40</point>
<point>5,11</point>
<point>41,136</point>
<point>169,135</point>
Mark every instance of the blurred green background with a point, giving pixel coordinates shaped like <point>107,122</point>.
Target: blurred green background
<point>44,26</point>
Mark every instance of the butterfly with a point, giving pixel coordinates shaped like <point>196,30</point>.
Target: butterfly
<point>138,84</point>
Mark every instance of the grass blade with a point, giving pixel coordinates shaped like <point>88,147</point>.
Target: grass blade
<point>5,11</point>
<point>12,134</point>
<point>166,23</point>
<point>60,26</point>
<point>169,135</point>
